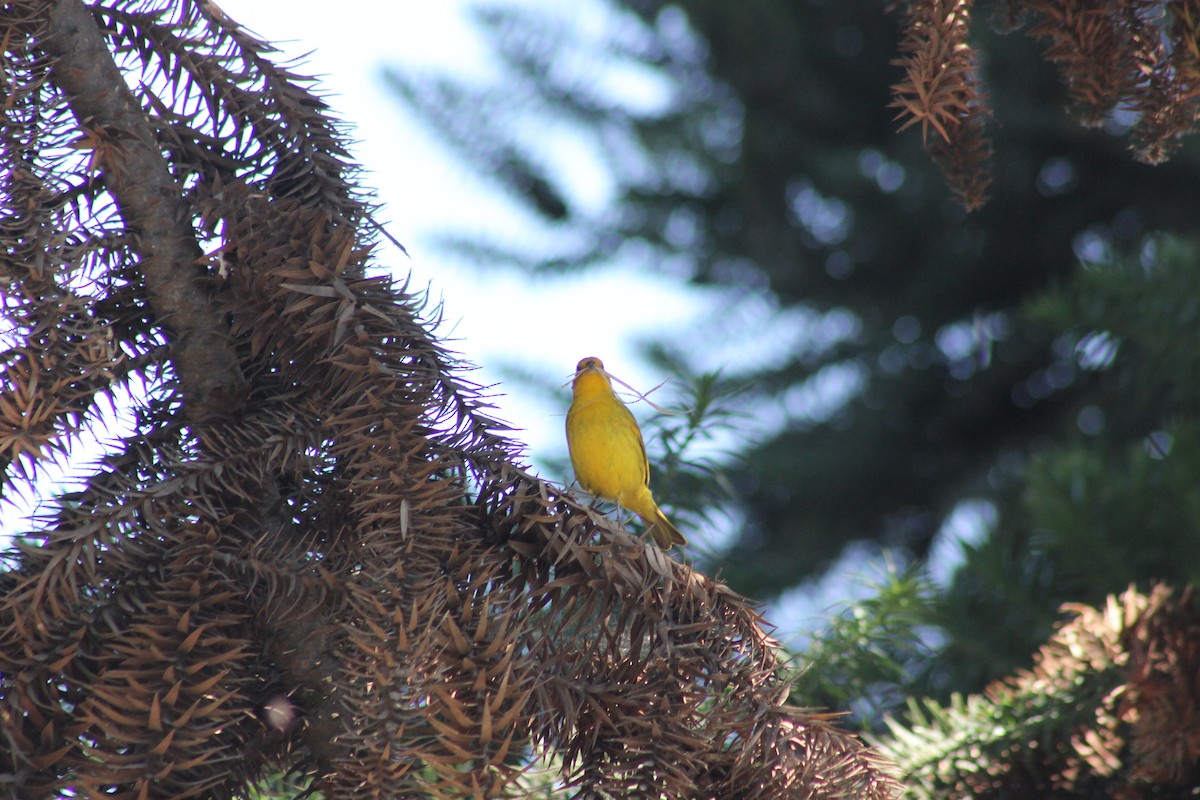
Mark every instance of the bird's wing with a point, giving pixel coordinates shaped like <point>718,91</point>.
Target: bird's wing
<point>637,434</point>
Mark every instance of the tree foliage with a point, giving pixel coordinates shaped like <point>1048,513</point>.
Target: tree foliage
<point>1141,58</point>
<point>1109,708</point>
<point>1117,502</point>
<point>315,553</point>
<point>910,377</point>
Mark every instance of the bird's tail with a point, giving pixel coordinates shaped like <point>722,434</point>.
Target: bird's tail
<point>665,534</point>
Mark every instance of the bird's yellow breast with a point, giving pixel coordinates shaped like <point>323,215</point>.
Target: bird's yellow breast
<point>605,443</point>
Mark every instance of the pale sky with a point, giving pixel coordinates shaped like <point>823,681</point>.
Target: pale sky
<point>555,320</point>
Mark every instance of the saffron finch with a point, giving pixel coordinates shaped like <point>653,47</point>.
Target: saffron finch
<point>607,451</point>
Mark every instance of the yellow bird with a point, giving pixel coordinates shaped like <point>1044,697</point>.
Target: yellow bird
<point>607,451</point>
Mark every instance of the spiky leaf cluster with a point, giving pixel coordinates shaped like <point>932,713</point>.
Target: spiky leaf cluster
<point>1127,56</point>
<point>941,92</point>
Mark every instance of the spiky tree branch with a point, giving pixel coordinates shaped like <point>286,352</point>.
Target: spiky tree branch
<point>1120,55</point>
<point>941,92</point>
<point>129,161</point>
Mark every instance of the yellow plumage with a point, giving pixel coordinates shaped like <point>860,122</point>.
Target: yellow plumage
<point>607,451</point>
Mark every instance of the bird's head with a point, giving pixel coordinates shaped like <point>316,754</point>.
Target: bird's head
<point>590,366</point>
<point>589,363</point>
